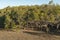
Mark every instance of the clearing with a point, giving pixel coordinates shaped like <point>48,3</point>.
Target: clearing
<point>20,35</point>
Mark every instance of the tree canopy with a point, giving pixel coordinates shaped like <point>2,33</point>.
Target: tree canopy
<point>15,16</point>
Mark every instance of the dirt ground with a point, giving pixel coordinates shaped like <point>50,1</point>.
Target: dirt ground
<point>20,35</point>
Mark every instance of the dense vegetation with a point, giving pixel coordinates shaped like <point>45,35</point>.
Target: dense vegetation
<point>18,16</point>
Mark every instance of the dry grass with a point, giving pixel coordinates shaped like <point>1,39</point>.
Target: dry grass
<point>20,35</point>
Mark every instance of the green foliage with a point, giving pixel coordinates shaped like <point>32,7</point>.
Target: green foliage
<point>28,16</point>
<point>13,17</point>
<point>7,22</point>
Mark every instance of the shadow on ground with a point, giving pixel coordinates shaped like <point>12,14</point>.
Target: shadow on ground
<point>36,33</point>
<point>54,33</point>
<point>40,33</point>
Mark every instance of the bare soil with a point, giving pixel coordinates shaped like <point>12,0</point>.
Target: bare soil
<point>21,35</point>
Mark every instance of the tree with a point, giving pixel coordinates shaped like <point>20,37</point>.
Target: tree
<point>7,22</point>
<point>51,2</point>
<point>28,16</point>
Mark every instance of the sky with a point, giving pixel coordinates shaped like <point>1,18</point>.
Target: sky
<point>5,3</point>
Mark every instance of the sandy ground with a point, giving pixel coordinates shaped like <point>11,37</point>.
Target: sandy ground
<point>20,35</point>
